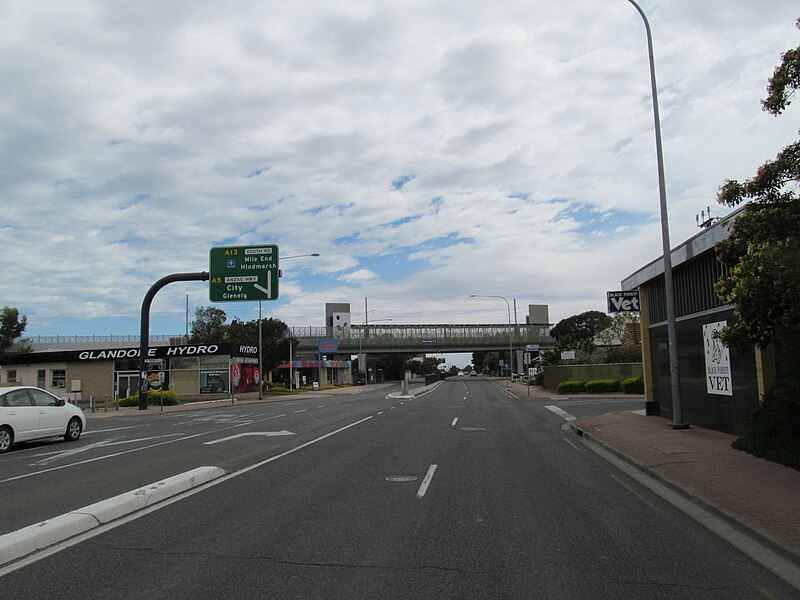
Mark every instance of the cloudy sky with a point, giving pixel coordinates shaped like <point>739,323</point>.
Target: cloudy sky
<point>427,149</point>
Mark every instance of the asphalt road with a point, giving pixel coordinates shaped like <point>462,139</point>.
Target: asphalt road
<point>464,492</point>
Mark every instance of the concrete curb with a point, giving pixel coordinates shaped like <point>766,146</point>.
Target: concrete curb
<point>25,541</point>
<point>425,390</point>
<point>743,526</point>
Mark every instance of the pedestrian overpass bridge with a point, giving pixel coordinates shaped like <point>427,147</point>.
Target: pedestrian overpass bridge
<point>429,339</point>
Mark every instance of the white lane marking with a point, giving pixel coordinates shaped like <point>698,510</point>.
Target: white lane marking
<point>100,444</point>
<point>380,413</point>
<point>561,413</point>
<point>392,408</point>
<point>163,504</point>
<point>426,482</point>
<point>297,412</point>
<point>96,431</point>
<point>115,454</point>
<point>323,406</point>
<point>249,433</point>
<point>453,424</point>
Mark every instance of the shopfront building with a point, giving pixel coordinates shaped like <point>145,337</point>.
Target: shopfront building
<point>191,371</point>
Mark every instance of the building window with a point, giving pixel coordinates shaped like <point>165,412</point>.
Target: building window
<point>12,376</point>
<point>41,378</point>
<point>58,378</point>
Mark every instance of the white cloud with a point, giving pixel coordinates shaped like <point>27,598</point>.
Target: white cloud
<point>143,134</point>
<point>359,276</point>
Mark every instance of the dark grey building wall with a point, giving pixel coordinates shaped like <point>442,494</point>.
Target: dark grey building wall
<point>731,414</point>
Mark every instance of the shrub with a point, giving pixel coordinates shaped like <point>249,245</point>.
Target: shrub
<point>775,434</point>
<point>603,386</point>
<point>633,385</point>
<point>153,399</point>
<point>571,387</point>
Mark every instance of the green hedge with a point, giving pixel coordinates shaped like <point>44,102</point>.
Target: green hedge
<point>633,385</point>
<point>153,399</point>
<point>603,386</point>
<point>571,387</point>
<point>775,433</point>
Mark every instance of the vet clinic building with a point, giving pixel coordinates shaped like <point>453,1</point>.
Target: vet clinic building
<point>191,371</point>
<point>720,387</point>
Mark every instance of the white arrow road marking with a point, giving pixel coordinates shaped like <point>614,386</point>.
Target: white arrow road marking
<point>101,444</point>
<point>249,433</point>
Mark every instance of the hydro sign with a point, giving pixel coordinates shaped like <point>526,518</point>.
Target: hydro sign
<point>619,302</point>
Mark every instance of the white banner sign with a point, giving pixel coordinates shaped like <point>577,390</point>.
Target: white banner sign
<point>718,361</point>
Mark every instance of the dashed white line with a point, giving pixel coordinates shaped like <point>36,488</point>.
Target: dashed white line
<point>453,424</point>
<point>426,481</point>
<point>297,412</point>
<point>380,413</point>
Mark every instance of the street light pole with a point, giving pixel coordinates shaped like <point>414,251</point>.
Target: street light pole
<point>260,368</point>
<point>677,411</point>
<point>510,332</point>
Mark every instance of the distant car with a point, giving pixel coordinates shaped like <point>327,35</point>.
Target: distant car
<point>30,413</point>
<point>473,374</point>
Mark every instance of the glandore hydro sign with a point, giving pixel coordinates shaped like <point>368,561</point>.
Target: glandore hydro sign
<point>22,358</point>
<point>159,352</point>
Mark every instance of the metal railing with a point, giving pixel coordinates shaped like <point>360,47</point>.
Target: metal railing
<point>83,339</point>
<point>426,336</point>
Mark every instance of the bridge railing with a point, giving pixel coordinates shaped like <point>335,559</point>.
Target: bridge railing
<point>424,336</point>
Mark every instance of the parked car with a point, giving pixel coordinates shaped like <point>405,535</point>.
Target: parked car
<point>30,413</point>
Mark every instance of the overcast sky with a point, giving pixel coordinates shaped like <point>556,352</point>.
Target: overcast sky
<point>427,149</point>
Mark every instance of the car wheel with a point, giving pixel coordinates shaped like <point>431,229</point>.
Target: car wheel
<point>74,429</point>
<point>6,439</point>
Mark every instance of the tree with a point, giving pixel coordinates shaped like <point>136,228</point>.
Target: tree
<point>275,339</point>
<point>208,326</point>
<point>763,249</point>
<point>762,254</point>
<point>578,331</point>
<point>11,326</point>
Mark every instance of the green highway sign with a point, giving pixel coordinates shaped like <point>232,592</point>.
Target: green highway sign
<point>243,273</point>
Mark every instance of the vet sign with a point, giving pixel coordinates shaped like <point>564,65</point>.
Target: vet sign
<point>619,302</point>
<point>718,361</point>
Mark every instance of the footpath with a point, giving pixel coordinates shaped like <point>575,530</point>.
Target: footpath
<point>758,497</point>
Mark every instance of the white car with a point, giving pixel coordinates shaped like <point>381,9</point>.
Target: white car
<point>30,413</point>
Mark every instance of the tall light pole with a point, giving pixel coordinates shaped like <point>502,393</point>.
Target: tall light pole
<point>510,332</point>
<point>674,373</point>
<point>260,367</point>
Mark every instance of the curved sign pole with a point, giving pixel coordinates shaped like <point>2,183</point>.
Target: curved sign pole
<point>144,336</point>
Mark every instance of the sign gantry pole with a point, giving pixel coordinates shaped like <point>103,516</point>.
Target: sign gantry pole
<point>144,334</point>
